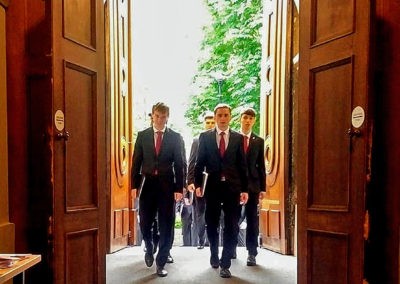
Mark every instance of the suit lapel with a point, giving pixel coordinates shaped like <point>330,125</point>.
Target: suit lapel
<point>150,140</point>
<point>164,140</point>
<point>213,140</point>
<point>230,140</point>
<point>252,141</point>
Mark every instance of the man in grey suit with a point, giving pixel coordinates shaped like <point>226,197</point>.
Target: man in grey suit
<point>221,154</point>
<point>158,171</point>
<point>253,146</point>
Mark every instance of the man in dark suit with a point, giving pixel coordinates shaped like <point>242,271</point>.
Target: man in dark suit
<point>158,171</point>
<point>199,203</point>
<point>253,147</point>
<point>221,154</point>
<point>155,230</point>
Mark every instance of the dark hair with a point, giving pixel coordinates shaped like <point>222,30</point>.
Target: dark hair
<point>222,105</point>
<point>249,111</point>
<point>161,107</point>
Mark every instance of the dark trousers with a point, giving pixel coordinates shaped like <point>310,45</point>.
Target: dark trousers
<point>227,200</point>
<point>242,232</point>
<point>252,217</point>
<point>187,221</point>
<point>199,220</point>
<point>157,199</point>
<point>155,232</point>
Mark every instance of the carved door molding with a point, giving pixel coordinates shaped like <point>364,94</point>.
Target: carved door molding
<point>119,85</point>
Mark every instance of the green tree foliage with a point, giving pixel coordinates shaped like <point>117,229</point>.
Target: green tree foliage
<point>229,67</point>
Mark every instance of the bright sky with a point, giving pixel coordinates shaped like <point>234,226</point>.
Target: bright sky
<point>166,43</point>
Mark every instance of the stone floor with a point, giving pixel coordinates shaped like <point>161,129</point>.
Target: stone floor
<point>192,266</point>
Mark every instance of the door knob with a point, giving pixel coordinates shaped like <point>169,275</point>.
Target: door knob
<point>354,132</point>
<point>63,135</point>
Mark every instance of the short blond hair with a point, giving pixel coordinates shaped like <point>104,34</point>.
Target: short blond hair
<point>222,105</point>
<point>208,114</point>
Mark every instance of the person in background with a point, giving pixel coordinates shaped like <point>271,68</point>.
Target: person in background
<point>253,147</point>
<point>186,213</point>
<point>158,171</point>
<point>185,208</point>
<point>199,202</point>
<point>242,231</point>
<point>221,154</point>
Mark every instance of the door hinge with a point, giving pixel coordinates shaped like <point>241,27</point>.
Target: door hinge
<point>366,225</point>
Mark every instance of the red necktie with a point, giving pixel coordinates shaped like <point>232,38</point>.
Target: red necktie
<point>246,143</point>
<point>158,141</point>
<point>222,144</point>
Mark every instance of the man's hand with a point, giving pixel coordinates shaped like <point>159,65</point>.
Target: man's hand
<point>191,187</point>
<point>244,197</point>
<point>198,192</point>
<point>178,196</point>
<point>262,195</point>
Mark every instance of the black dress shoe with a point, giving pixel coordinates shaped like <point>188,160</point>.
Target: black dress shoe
<point>214,261</point>
<point>161,271</point>
<point>149,259</point>
<point>170,259</point>
<point>200,247</point>
<point>251,260</point>
<point>225,273</point>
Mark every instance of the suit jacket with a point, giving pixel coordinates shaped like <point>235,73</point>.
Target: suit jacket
<point>192,160</point>
<point>169,163</point>
<point>256,164</point>
<point>232,165</point>
<point>185,165</point>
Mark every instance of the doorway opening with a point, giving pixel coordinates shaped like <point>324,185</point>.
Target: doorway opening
<point>166,54</point>
<point>157,48</point>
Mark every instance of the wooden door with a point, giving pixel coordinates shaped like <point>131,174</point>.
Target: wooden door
<point>274,127</point>
<point>120,123</point>
<point>79,102</point>
<point>333,134</point>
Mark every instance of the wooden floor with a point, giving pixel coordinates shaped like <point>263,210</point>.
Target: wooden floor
<point>192,266</point>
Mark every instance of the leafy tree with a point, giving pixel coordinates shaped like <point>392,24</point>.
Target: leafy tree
<point>229,67</point>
